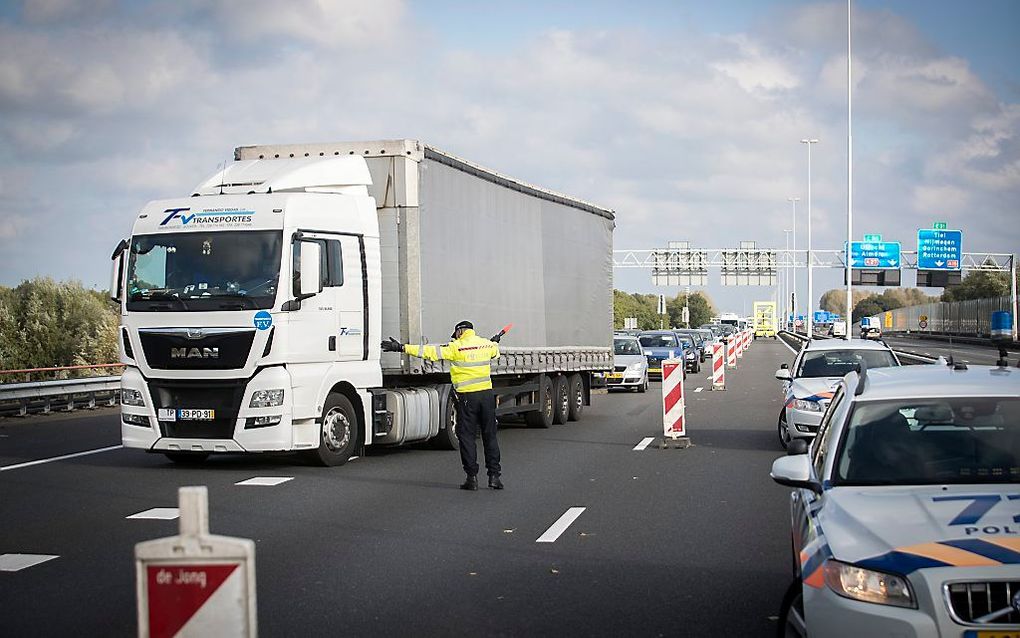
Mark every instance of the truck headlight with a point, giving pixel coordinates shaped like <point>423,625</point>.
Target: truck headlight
<point>131,397</point>
<point>807,406</point>
<point>868,585</point>
<point>266,398</point>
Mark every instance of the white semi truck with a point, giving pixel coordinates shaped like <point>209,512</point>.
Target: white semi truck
<point>253,307</point>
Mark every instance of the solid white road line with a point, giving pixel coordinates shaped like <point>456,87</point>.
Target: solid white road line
<point>645,442</point>
<point>17,562</point>
<point>266,481</point>
<point>560,526</point>
<point>698,389</point>
<point>18,466</point>
<point>788,346</point>
<point>158,513</point>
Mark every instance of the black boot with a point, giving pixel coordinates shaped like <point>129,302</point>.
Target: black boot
<point>495,483</point>
<point>470,483</point>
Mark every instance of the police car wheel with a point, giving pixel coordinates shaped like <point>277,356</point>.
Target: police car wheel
<point>338,431</point>
<point>644,384</point>
<point>784,431</point>
<point>576,397</point>
<point>791,613</point>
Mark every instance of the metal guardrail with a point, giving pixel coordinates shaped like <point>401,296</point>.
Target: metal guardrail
<point>66,395</point>
<point>800,338</point>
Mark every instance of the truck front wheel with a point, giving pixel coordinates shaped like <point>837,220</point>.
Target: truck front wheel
<point>338,432</point>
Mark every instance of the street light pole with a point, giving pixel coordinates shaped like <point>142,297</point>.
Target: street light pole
<point>849,179</point>
<point>793,290</point>
<point>786,291</point>
<point>810,288</point>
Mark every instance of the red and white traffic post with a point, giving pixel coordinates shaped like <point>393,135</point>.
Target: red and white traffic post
<point>718,367</point>
<point>674,421</point>
<point>739,338</point>
<point>731,351</point>
<point>196,584</point>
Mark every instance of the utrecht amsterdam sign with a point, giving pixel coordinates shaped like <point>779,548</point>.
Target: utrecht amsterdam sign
<point>875,254</point>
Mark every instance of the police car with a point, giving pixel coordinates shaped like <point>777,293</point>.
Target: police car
<point>817,369</point>
<point>906,512</point>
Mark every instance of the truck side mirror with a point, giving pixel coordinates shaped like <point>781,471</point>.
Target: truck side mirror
<point>309,279</point>
<point>117,270</point>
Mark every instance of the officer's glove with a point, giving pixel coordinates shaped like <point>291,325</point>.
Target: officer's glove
<point>392,345</point>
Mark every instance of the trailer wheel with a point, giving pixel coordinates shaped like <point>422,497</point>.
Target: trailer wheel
<point>187,458</point>
<point>338,431</point>
<point>447,437</point>
<point>543,417</point>
<point>562,397</point>
<point>576,387</point>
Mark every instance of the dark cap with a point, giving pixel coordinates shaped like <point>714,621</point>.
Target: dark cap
<point>461,324</point>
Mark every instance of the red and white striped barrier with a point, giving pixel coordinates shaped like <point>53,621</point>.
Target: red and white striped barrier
<point>738,337</point>
<point>674,423</point>
<point>718,367</point>
<point>747,339</point>
<point>731,351</point>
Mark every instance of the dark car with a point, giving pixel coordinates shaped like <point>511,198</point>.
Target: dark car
<point>658,345</point>
<point>700,344</point>
<point>693,354</point>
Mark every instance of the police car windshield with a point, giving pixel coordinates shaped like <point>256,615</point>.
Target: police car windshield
<point>626,346</point>
<point>836,363</point>
<point>911,442</point>
<point>658,341</point>
<point>225,270</point>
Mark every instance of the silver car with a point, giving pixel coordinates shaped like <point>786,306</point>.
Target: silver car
<point>630,366</point>
<point>819,366</point>
<point>905,519</point>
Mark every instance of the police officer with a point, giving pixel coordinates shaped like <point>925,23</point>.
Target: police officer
<point>470,372</point>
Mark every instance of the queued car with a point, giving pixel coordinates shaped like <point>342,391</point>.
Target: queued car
<point>904,516</point>
<point>700,344</point>
<point>870,328</point>
<point>659,345</point>
<point>693,354</point>
<point>819,366</point>
<point>630,366</point>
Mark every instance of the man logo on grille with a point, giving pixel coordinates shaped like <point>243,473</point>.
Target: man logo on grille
<point>194,353</point>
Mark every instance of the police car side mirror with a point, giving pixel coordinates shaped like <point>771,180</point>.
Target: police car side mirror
<point>795,471</point>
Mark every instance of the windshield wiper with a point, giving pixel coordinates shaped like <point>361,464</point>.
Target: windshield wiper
<point>155,304</point>
<point>234,298</point>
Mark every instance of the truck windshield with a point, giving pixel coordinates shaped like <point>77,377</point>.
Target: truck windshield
<point>937,441</point>
<point>224,270</point>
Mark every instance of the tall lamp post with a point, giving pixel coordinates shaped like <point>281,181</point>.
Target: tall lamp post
<point>792,293</point>
<point>786,273</point>
<point>810,288</point>
<point>849,178</point>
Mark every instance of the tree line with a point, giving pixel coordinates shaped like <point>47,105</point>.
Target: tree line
<point>46,323</point>
<point>975,285</point>
<point>645,308</point>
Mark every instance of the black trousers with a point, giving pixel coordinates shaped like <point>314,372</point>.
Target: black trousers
<point>477,411</point>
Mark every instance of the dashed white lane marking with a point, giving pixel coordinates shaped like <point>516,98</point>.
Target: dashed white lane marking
<point>560,525</point>
<point>17,562</point>
<point>698,389</point>
<point>645,442</point>
<point>709,378</point>
<point>158,513</point>
<point>18,466</point>
<point>266,481</point>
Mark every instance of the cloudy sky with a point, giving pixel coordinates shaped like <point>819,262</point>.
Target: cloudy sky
<point>684,117</point>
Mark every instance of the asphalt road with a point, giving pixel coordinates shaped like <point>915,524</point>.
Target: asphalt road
<point>965,353</point>
<point>690,542</point>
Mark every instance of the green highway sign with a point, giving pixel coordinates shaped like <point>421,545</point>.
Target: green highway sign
<point>872,238</point>
<point>939,226</point>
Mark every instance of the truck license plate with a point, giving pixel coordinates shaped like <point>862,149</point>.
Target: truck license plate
<point>991,634</point>
<point>192,414</point>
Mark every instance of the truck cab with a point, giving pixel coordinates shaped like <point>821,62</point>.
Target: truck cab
<point>245,306</point>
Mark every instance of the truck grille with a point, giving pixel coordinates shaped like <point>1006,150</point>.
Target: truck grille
<point>223,396</point>
<point>196,349</point>
<point>984,603</point>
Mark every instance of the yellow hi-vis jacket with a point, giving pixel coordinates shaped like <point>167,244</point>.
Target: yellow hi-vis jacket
<point>469,358</point>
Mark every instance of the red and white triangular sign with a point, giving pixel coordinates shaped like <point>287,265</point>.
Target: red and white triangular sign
<point>177,592</point>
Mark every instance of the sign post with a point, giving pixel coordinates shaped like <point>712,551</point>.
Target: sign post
<point>674,421</point>
<point>196,584</point>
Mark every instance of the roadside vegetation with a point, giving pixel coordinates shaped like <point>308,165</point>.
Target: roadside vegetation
<point>645,309</point>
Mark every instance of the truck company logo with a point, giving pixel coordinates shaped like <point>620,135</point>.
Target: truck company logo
<point>210,216</point>
<point>194,353</point>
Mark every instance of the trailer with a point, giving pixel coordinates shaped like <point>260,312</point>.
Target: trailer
<point>231,346</point>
